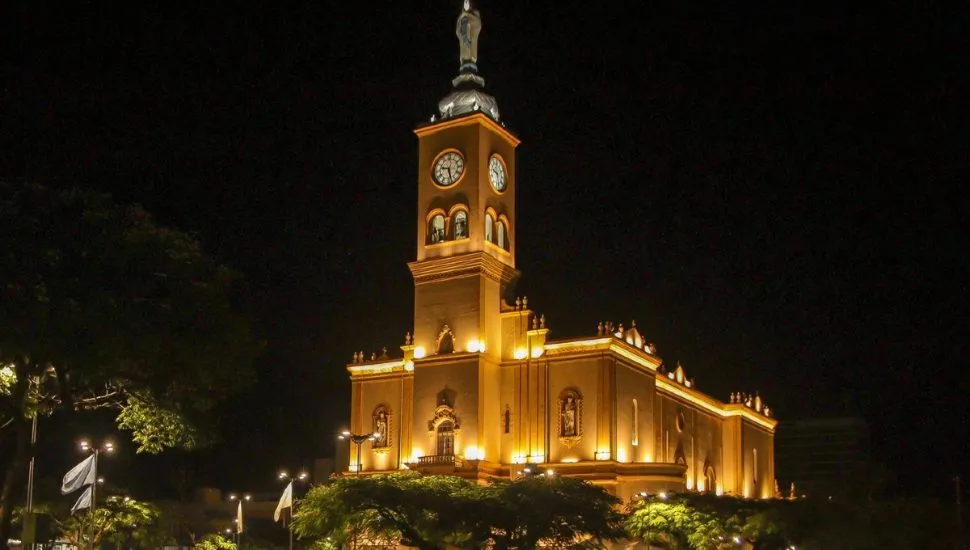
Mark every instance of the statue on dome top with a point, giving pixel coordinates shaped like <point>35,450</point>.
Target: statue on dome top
<point>467,29</point>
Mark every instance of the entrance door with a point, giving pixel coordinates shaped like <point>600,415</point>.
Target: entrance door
<point>446,439</point>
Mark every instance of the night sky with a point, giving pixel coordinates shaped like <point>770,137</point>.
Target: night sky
<point>769,189</point>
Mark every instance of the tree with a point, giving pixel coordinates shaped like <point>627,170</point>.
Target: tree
<point>705,522</point>
<point>215,541</point>
<point>553,510</point>
<point>121,521</point>
<point>102,308</point>
<point>676,521</point>
<point>426,512</point>
<point>434,512</point>
<point>186,520</point>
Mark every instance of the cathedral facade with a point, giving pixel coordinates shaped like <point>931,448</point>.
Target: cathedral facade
<point>481,391</point>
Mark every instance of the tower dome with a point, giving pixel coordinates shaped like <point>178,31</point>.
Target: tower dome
<point>467,95</point>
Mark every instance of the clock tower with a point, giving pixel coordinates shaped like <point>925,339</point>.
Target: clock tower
<point>466,213</point>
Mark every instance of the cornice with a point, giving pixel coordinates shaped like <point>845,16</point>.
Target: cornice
<point>601,344</point>
<point>650,363</point>
<point>714,406</point>
<point>461,265</point>
<point>469,120</point>
<point>384,369</point>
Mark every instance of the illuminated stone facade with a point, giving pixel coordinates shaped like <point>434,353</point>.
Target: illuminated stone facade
<point>482,392</point>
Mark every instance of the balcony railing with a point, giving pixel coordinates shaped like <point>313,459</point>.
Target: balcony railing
<point>437,460</point>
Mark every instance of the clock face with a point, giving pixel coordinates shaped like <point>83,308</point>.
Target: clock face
<point>497,174</point>
<point>448,168</point>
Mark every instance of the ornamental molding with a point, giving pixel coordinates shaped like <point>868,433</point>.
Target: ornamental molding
<point>475,117</point>
<point>463,265</point>
<point>442,414</point>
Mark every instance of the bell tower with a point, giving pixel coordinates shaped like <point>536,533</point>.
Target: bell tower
<point>466,212</point>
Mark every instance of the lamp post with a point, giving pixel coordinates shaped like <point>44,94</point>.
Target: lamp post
<point>238,520</point>
<point>285,476</point>
<point>88,447</point>
<point>357,439</point>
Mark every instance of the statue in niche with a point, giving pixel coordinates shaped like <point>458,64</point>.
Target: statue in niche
<point>446,341</point>
<point>507,419</point>
<point>467,29</point>
<point>437,231</point>
<point>461,225</point>
<point>569,428</point>
<point>380,428</point>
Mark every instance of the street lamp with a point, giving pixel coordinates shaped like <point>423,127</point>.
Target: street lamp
<point>357,439</point>
<point>89,447</point>
<point>285,476</point>
<point>238,521</point>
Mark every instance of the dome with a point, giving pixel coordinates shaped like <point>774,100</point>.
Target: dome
<point>460,102</point>
<point>467,95</point>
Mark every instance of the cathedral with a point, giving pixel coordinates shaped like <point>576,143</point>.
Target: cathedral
<point>480,390</point>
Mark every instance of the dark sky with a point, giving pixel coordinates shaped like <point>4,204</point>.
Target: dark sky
<point>769,189</point>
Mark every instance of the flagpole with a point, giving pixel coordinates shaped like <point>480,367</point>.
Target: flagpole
<point>94,497</point>
<point>239,521</point>
<point>96,450</point>
<point>30,479</point>
<point>283,476</point>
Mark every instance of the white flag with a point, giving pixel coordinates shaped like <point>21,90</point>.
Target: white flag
<point>286,501</point>
<point>239,519</point>
<point>79,476</point>
<point>83,502</point>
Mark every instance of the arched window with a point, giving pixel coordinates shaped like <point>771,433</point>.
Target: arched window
<point>503,232</point>
<point>460,225</point>
<point>636,423</point>
<point>436,228</point>
<point>710,479</point>
<point>489,228</point>
<point>445,439</point>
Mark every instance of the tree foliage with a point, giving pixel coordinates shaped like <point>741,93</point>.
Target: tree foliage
<point>102,308</point>
<point>421,511</point>
<point>554,511</point>
<point>214,541</point>
<point>120,521</point>
<point>433,512</point>
<point>706,522</point>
